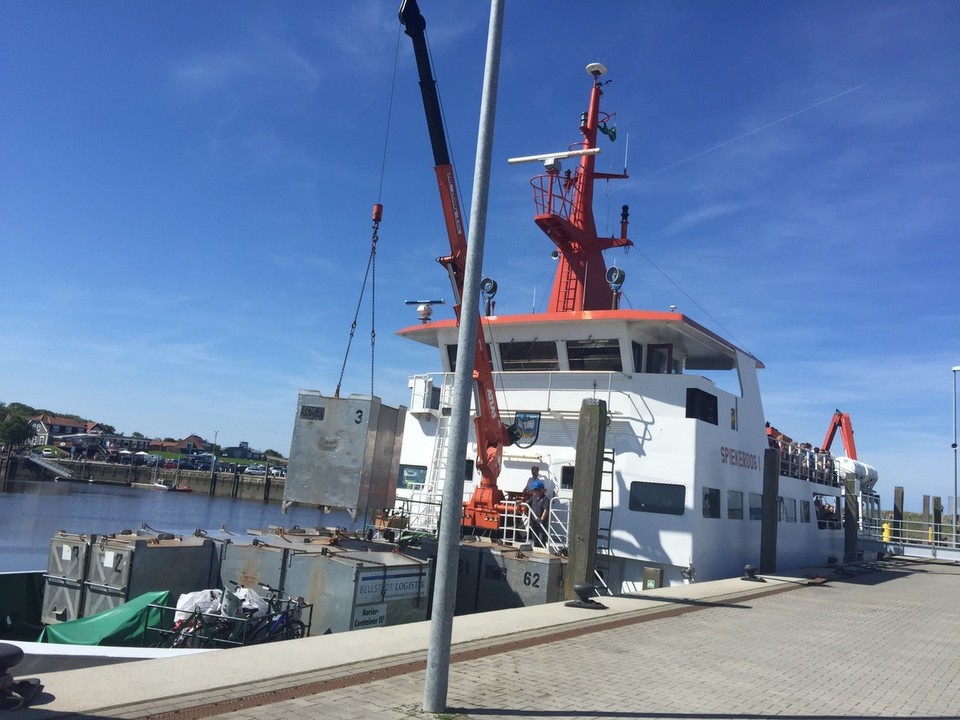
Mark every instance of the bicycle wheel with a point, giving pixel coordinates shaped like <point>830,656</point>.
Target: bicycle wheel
<point>294,630</point>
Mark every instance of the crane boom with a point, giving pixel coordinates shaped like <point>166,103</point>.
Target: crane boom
<point>484,509</point>
<point>841,421</point>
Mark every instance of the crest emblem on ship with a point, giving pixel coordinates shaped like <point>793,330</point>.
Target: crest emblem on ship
<point>528,427</point>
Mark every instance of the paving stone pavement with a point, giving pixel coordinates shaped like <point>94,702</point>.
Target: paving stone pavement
<point>883,644</point>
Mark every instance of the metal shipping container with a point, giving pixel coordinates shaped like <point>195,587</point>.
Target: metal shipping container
<point>124,567</point>
<point>508,580</point>
<point>356,590</point>
<point>345,452</point>
<point>491,576</point>
<point>66,572</point>
<point>249,564</point>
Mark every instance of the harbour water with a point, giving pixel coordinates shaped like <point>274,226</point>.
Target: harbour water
<point>32,512</point>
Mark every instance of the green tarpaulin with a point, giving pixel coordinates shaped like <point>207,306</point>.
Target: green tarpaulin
<point>122,626</point>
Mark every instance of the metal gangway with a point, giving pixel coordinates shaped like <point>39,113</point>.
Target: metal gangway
<point>58,470</point>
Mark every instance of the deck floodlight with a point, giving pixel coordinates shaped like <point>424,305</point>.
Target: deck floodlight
<point>615,278</point>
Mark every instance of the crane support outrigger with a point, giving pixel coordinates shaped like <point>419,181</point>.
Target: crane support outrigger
<point>483,511</point>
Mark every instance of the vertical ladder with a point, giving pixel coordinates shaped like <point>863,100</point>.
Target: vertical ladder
<point>438,464</point>
<point>568,293</point>
<point>605,522</point>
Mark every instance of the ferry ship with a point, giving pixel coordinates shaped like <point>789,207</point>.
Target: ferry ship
<point>682,497</point>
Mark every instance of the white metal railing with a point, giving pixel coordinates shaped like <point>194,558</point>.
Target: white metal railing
<point>915,532</point>
<point>516,526</point>
<point>422,511</point>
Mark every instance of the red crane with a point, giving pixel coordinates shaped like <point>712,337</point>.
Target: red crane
<point>484,509</point>
<point>841,421</point>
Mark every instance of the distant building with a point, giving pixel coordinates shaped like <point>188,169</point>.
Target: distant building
<point>242,452</point>
<point>50,429</point>
<point>188,446</point>
<point>121,442</point>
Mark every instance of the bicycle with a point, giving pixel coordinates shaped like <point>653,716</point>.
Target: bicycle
<point>282,622</point>
<point>211,625</point>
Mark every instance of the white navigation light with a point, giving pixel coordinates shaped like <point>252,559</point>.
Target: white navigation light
<point>596,69</point>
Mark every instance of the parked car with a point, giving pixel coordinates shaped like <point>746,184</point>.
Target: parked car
<point>278,471</point>
<point>255,470</point>
<point>48,452</point>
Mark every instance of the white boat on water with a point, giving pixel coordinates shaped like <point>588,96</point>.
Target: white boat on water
<point>683,494</point>
<point>157,485</point>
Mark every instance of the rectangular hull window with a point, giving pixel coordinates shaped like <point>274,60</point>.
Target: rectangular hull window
<point>411,476</point>
<point>756,506</point>
<point>711,503</point>
<point>663,498</point>
<point>701,405</point>
<point>734,504</point>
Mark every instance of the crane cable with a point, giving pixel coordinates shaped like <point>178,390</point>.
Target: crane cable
<point>371,272</point>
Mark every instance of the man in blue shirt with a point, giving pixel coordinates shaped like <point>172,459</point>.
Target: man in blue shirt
<point>539,505</point>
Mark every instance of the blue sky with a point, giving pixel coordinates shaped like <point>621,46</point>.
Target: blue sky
<point>185,194</point>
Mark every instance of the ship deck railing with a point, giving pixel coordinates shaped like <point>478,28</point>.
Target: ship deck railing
<point>516,526</point>
<point>422,516</point>
<point>797,462</point>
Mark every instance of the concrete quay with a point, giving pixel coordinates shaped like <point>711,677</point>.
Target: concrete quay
<point>878,640</point>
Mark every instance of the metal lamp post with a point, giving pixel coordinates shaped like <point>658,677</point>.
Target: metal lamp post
<point>956,369</point>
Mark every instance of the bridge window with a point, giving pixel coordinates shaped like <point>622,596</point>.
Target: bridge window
<point>734,504</point>
<point>637,349</point>
<point>711,503</point>
<point>566,477</point>
<point>452,356</point>
<point>532,355</point>
<point>659,359</point>
<point>663,498</point>
<point>595,355</point>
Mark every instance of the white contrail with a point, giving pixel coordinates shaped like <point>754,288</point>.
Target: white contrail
<point>756,130</point>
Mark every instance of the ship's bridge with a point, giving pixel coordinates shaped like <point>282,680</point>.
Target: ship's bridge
<point>597,341</point>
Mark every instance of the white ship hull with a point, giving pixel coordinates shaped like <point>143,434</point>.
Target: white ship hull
<point>711,473</point>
